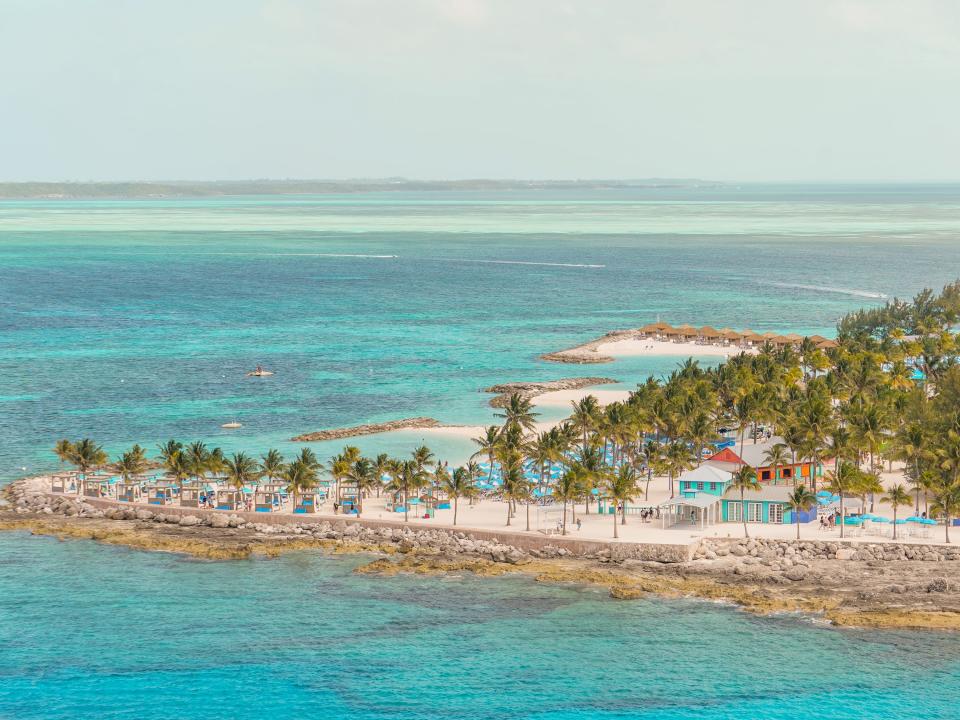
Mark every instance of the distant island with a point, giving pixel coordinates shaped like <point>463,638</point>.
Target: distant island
<point>187,189</point>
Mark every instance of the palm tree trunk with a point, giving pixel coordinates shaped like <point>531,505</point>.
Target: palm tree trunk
<point>841,513</point>
<point>894,522</point>
<point>508,513</point>
<point>455,498</point>
<point>798,523</point>
<point>615,533</point>
<point>743,505</point>
<point>528,516</point>
<point>406,506</point>
<point>564,517</point>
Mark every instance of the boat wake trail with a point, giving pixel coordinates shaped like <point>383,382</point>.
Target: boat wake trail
<point>528,262</point>
<point>295,254</point>
<point>828,289</point>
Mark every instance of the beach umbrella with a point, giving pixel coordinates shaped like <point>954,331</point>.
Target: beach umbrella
<point>928,521</point>
<point>826,344</point>
<point>708,332</point>
<point>686,330</point>
<point>817,339</point>
<point>914,518</point>
<point>880,519</point>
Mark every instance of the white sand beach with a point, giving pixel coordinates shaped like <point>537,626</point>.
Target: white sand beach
<point>648,347</point>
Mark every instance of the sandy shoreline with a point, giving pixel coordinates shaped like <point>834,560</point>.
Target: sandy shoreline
<point>627,343</point>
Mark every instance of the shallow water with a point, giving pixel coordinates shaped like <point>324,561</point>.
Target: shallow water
<point>132,634</point>
<point>135,321</point>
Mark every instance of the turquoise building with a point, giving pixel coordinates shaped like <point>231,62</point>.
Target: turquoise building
<point>770,504</point>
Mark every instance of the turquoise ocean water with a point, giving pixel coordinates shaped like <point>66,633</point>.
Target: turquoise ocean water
<point>135,321</point>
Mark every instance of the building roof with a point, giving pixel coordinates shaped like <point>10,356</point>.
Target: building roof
<point>753,453</point>
<point>700,501</point>
<point>770,493</point>
<point>705,473</point>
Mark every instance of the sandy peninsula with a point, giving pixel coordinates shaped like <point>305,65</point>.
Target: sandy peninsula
<point>628,343</point>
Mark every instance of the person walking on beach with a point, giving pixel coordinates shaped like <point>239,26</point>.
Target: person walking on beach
<point>579,524</point>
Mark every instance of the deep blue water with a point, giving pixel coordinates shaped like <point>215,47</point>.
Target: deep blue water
<point>105,632</point>
<point>135,321</point>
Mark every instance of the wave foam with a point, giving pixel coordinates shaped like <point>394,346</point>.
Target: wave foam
<point>829,289</point>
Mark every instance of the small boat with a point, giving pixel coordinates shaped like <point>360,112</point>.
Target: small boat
<point>259,372</point>
<point>232,425</point>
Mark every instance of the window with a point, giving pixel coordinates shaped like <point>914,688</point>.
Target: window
<point>699,486</point>
<point>735,511</point>
<point>776,513</point>
<point>787,472</point>
<point>713,486</point>
<point>764,474</point>
<point>754,512</point>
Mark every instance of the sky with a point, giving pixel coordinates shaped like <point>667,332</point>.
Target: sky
<point>748,90</point>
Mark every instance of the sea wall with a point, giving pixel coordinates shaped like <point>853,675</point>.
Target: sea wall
<point>499,545</point>
<point>775,552</point>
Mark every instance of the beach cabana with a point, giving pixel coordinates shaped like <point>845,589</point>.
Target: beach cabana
<point>685,332</point>
<point>129,492</point>
<point>655,329</point>
<point>817,339</point>
<point>308,502</point>
<point>64,483</point>
<point>96,487</point>
<point>348,496</point>
<point>826,345</point>
<point>231,500</point>
<point>267,500</point>
<point>190,496</point>
<point>708,334</point>
<point>749,337</point>
<point>159,494</point>
<point>729,335</point>
<point>794,339</point>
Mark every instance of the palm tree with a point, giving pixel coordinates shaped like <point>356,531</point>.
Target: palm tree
<point>86,454</point>
<point>361,475</point>
<point>897,496</point>
<point>518,411</point>
<point>169,449</point>
<point>271,464</point>
<point>567,490</point>
<point>177,467</point>
<point>406,477</point>
<point>866,487</point>
<point>911,445</point>
<point>487,445</point>
<point>677,458</point>
<point>745,478</point>
<point>241,470</point>
<point>299,476</point>
<point>621,487</point>
<point>197,457</point>
<point>946,502</point>
<point>843,479</point>
<point>801,500</point>
<point>131,463</point>
<point>63,450</point>
<point>585,417</point>
<point>460,484</point>
<point>423,457</point>
<point>381,465</point>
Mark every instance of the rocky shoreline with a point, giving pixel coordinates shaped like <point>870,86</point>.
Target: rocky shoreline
<point>856,584</point>
<point>415,423</point>
<point>530,390</point>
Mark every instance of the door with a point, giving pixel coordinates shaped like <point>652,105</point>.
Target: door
<point>734,512</point>
<point>776,513</point>
<point>754,512</point>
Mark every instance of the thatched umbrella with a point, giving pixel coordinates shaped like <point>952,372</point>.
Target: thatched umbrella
<point>686,330</point>
<point>817,339</point>
<point>708,332</point>
<point>826,345</point>
<point>752,337</point>
<point>669,330</point>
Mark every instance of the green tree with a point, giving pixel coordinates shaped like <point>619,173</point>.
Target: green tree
<point>897,496</point>
<point>745,478</point>
<point>461,484</point>
<point>800,500</point>
<point>621,488</point>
